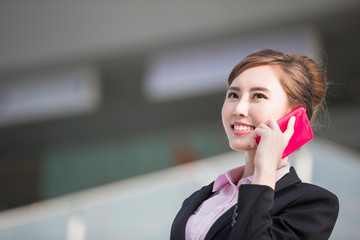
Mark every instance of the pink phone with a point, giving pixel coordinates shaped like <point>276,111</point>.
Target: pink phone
<point>302,130</point>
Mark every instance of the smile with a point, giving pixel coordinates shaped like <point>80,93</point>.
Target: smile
<point>240,129</point>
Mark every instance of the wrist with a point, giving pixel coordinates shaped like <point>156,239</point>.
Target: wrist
<point>265,176</point>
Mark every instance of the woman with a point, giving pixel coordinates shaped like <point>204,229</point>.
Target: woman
<point>264,199</point>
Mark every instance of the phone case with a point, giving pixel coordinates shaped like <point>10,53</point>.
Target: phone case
<point>302,130</point>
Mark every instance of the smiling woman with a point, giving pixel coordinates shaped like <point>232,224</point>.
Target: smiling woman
<point>264,199</point>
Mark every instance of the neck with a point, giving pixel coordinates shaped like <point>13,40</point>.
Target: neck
<point>249,163</point>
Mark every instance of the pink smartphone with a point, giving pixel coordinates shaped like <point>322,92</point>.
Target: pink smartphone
<point>302,130</point>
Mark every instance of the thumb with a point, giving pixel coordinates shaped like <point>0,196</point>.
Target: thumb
<point>253,139</point>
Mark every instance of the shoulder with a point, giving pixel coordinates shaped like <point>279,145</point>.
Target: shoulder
<point>315,192</point>
<point>294,193</point>
<point>308,198</point>
<point>291,186</point>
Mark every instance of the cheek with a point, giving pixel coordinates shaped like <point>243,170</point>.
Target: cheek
<point>265,112</point>
<point>226,112</point>
<point>226,117</point>
<point>259,114</point>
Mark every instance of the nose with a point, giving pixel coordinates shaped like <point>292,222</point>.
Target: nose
<point>241,108</point>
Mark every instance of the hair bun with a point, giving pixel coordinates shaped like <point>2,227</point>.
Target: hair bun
<point>317,80</point>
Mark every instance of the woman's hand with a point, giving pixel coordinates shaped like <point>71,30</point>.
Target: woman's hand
<point>270,149</point>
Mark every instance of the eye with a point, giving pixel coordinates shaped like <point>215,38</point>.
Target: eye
<point>259,95</point>
<point>232,95</point>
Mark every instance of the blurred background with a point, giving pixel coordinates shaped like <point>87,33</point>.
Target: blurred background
<point>110,110</point>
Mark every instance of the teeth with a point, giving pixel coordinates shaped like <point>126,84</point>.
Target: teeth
<point>242,128</point>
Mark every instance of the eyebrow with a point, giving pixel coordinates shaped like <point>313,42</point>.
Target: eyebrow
<point>254,89</point>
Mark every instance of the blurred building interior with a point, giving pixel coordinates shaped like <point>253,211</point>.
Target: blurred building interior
<point>94,93</point>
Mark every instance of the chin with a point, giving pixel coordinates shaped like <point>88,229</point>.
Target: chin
<point>240,146</point>
<point>239,142</point>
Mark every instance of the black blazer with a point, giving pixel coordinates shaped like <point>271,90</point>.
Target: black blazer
<point>295,210</point>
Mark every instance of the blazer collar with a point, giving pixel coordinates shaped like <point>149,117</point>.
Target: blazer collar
<point>288,180</point>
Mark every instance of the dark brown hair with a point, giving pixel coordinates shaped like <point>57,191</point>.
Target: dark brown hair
<point>302,79</point>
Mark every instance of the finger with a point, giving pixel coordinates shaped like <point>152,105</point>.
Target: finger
<point>260,131</point>
<point>253,143</point>
<point>273,124</point>
<point>290,128</point>
<point>264,126</point>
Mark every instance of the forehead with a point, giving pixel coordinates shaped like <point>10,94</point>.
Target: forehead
<point>261,76</point>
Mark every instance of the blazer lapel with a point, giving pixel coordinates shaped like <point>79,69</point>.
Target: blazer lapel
<point>226,218</point>
<point>194,204</point>
<point>285,182</point>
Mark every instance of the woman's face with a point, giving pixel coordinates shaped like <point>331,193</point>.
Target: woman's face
<point>253,97</point>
